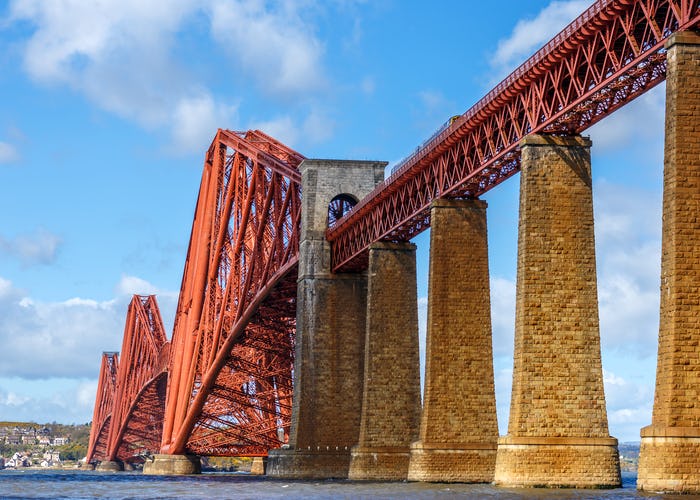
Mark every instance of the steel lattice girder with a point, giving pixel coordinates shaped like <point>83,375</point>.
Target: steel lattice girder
<point>242,256</point>
<point>140,363</point>
<point>608,56</point>
<point>104,402</point>
<point>144,426</point>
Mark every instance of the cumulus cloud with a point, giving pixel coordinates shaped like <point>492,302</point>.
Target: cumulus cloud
<point>122,55</point>
<point>622,128</point>
<point>40,247</point>
<point>629,404</point>
<point>51,351</point>
<point>502,315</point>
<point>272,42</point>
<point>130,285</point>
<point>530,34</point>
<point>66,338</point>
<point>114,51</point>
<point>316,127</point>
<point>8,153</point>
<point>629,266</point>
<point>196,118</point>
<point>42,401</point>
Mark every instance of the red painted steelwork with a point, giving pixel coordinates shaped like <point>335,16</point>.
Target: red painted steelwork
<point>229,369</point>
<point>608,56</point>
<point>104,402</point>
<point>230,385</point>
<point>138,408</point>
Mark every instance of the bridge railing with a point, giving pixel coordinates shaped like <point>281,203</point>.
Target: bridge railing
<point>605,58</point>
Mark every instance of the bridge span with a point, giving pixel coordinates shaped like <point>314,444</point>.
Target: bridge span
<point>296,332</point>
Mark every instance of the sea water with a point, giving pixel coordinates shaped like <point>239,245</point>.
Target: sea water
<point>68,484</point>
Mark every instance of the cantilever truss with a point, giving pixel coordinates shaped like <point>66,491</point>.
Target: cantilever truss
<point>608,56</point>
<point>139,404</point>
<point>230,385</point>
<point>99,432</point>
<point>229,368</point>
<point>130,403</point>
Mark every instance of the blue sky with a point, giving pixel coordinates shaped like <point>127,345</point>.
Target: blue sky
<point>108,107</point>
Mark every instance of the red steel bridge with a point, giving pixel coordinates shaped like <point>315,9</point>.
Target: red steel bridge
<point>223,384</point>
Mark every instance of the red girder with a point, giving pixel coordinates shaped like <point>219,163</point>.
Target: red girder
<point>104,402</point>
<point>142,430</point>
<point>241,261</point>
<point>138,402</point>
<point>608,56</point>
<point>230,364</point>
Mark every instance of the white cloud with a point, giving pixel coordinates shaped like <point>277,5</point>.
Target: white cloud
<point>196,119</point>
<point>530,34</point>
<point>316,127</point>
<point>8,153</point>
<point>282,128</point>
<point>272,42</point>
<point>503,327</point>
<point>422,336</point>
<point>503,316</point>
<point>66,338</point>
<point>85,393</point>
<point>629,404</point>
<point>41,247</point>
<point>122,55</point>
<point>504,384</point>
<point>6,289</point>
<point>629,267</point>
<point>622,129</point>
<point>130,285</point>
<point>114,51</point>
<point>47,400</point>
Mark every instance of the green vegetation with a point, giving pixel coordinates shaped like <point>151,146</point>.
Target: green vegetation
<point>76,448</point>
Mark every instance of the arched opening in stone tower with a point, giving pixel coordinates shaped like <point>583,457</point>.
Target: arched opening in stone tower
<point>339,206</point>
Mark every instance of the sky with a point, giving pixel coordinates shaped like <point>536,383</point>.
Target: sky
<point>107,109</point>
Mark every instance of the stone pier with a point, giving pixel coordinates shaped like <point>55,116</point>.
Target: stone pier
<point>172,465</point>
<point>391,397</point>
<point>458,427</point>
<point>558,428</point>
<point>109,466</point>
<point>330,340</point>
<point>670,449</point>
<point>258,466</point>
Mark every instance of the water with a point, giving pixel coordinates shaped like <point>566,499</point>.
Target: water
<point>67,484</point>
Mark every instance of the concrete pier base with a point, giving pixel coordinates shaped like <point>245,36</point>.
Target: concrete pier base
<point>318,464</point>
<point>172,465</point>
<point>109,466</point>
<point>257,468</point>
<point>456,463</point>
<point>558,463</point>
<point>668,460</point>
<point>380,464</point>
